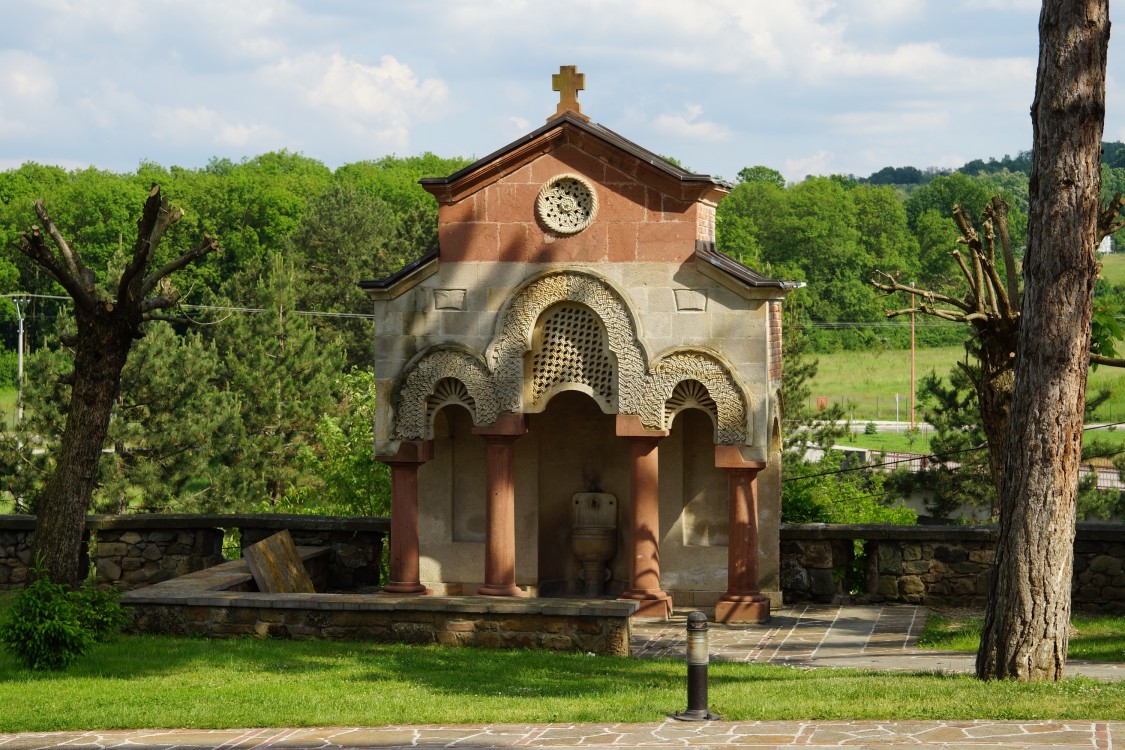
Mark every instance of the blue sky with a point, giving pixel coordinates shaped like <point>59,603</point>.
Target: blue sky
<point>803,86</point>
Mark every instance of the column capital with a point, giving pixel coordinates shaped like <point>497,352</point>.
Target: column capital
<point>506,425</point>
<point>731,457</point>
<point>630,426</point>
<point>410,452</point>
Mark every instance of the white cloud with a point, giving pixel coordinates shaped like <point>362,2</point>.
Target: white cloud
<point>380,101</point>
<point>687,124</point>
<point>27,94</point>
<point>205,125</point>
<point>795,170</point>
<point>890,123</point>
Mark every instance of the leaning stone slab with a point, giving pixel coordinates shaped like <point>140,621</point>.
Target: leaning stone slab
<point>276,566</point>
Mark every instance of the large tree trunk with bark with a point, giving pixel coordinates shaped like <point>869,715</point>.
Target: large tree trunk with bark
<point>103,344</point>
<point>1025,631</point>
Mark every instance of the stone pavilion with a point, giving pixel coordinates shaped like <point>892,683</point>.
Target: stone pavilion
<point>576,354</point>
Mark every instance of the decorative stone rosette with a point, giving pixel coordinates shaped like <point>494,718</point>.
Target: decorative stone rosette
<point>567,204</point>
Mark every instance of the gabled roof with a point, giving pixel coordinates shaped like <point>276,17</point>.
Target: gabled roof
<point>596,139</point>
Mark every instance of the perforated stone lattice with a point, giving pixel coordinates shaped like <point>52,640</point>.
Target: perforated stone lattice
<point>572,349</point>
<point>567,204</point>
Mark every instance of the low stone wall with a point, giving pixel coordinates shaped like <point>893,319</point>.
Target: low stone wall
<point>133,551</point>
<point>15,550</point>
<point>223,602</point>
<point>934,565</point>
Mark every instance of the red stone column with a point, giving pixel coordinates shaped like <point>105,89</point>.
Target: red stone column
<point>743,601</point>
<point>404,570</point>
<point>500,512</point>
<point>644,491</point>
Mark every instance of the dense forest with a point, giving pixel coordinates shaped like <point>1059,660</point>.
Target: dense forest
<point>265,402</point>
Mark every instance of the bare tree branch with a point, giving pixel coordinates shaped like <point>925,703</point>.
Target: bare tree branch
<point>998,209</point>
<point>155,219</point>
<point>1101,359</point>
<point>35,248</point>
<point>207,245</point>
<point>83,275</point>
<point>896,286</point>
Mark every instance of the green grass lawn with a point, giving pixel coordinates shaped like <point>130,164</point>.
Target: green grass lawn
<point>1096,638</point>
<point>1113,269</point>
<point>158,681</point>
<point>866,382</point>
<point>1109,440</point>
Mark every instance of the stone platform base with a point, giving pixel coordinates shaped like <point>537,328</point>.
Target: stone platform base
<point>223,601</point>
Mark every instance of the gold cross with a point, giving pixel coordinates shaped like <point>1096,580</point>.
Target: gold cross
<point>568,82</point>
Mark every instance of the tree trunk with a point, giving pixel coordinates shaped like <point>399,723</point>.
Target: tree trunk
<point>1025,630</point>
<point>103,345</point>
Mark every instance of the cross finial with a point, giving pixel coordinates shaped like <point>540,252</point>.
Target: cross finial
<point>568,82</point>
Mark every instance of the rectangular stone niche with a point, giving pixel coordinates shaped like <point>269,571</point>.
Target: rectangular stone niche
<point>223,602</point>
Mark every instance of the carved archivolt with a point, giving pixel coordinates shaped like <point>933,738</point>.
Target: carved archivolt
<point>695,379</point>
<point>515,336</point>
<point>439,378</point>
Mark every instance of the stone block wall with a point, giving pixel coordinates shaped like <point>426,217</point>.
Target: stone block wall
<point>935,565</point>
<point>133,551</point>
<point>15,550</point>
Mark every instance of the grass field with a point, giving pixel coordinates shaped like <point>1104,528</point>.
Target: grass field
<point>899,442</point>
<point>866,382</point>
<point>1096,638</point>
<point>159,681</point>
<point>1113,269</point>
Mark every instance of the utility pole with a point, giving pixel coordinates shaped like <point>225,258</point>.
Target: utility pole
<point>912,355</point>
<point>19,302</point>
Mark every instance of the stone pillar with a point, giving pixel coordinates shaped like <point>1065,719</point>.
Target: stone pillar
<point>404,570</point>
<point>743,601</point>
<point>644,527</point>
<point>500,512</point>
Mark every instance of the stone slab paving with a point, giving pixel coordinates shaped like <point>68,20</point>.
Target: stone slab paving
<point>948,735</point>
<point>824,635</point>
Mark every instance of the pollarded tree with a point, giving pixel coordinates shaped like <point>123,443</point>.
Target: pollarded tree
<point>990,303</point>
<point>109,317</point>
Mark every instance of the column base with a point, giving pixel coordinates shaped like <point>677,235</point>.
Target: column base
<point>654,604</point>
<point>500,589</point>
<point>742,608</point>
<point>405,588</point>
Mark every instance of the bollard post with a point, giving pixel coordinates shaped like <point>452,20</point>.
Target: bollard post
<point>697,660</point>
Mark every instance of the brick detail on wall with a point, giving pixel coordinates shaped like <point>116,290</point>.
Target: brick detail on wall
<point>775,340</point>
<point>705,223</point>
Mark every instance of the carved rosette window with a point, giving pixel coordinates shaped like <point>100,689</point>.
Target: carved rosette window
<point>567,204</point>
<point>571,349</point>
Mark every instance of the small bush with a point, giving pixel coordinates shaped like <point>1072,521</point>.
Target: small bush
<point>870,429</point>
<point>42,627</point>
<point>100,612</point>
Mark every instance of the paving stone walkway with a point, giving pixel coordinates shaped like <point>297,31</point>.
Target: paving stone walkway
<point>822,635</point>
<point>864,637</point>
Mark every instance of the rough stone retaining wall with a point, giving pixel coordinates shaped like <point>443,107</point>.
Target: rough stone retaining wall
<point>934,565</point>
<point>223,602</point>
<point>132,551</point>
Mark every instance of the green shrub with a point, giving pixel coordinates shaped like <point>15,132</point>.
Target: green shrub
<point>870,429</point>
<point>100,612</point>
<point>47,626</point>
<point>42,627</point>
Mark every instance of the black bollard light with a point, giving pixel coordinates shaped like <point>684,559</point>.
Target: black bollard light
<point>697,659</point>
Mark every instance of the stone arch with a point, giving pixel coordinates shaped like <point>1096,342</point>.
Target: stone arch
<point>517,326</point>
<point>696,378</point>
<point>439,377</point>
